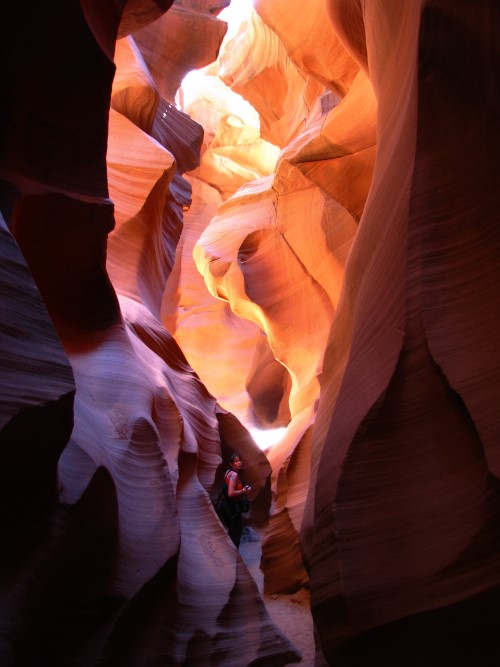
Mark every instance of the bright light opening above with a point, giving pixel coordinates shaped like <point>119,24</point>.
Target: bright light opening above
<point>193,83</point>
<point>268,437</point>
<point>233,15</point>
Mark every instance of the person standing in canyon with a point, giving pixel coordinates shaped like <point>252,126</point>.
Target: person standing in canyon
<point>235,501</point>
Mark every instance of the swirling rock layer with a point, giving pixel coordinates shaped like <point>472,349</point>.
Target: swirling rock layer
<point>405,544</point>
<point>325,259</point>
<point>115,554</point>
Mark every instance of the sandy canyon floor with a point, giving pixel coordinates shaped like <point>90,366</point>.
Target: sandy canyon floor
<point>291,613</point>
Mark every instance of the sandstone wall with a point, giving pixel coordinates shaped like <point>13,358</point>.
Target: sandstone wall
<point>111,445</point>
<point>309,241</point>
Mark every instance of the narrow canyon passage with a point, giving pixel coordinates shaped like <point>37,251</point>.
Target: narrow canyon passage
<point>221,221</point>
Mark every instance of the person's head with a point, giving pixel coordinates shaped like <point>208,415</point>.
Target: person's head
<point>235,461</point>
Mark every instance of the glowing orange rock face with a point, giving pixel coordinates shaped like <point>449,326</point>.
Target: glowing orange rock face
<point>277,248</point>
<point>303,215</point>
<point>311,41</point>
<point>185,38</point>
<point>395,460</point>
<point>330,263</point>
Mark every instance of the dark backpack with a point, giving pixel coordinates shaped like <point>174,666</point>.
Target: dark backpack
<point>219,503</point>
<point>229,508</point>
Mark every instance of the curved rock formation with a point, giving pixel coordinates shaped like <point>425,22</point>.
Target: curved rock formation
<point>403,549</point>
<point>129,564</point>
<point>310,241</point>
<point>232,153</point>
<point>311,41</point>
<point>397,395</point>
<point>277,248</point>
<point>185,38</point>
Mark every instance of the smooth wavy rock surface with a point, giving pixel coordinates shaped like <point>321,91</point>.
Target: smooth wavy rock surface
<point>129,563</point>
<point>241,369</point>
<point>37,391</point>
<point>32,349</point>
<point>200,321</point>
<point>233,150</point>
<point>235,258</point>
<point>169,561</point>
<point>185,38</point>
<point>254,62</point>
<point>309,239</point>
<point>403,548</point>
<point>282,560</point>
<point>311,41</point>
<point>303,217</point>
<point>134,93</point>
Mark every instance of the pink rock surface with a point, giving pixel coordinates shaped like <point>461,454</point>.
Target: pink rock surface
<point>329,263</point>
<point>130,564</point>
<point>185,38</point>
<point>409,527</point>
<point>35,353</point>
<point>134,93</point>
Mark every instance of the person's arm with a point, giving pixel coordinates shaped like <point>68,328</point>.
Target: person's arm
<point>232,491</point>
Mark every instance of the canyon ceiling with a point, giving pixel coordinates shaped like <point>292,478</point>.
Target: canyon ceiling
<point>308,239</point>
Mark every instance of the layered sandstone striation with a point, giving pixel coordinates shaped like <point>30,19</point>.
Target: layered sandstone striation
<point>308,238</point>
<point>401,519</point>
<point>403,549</point>
<point>277,248</point>
<point>115,553</point>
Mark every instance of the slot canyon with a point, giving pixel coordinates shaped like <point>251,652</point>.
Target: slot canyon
<point>215,225</point>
